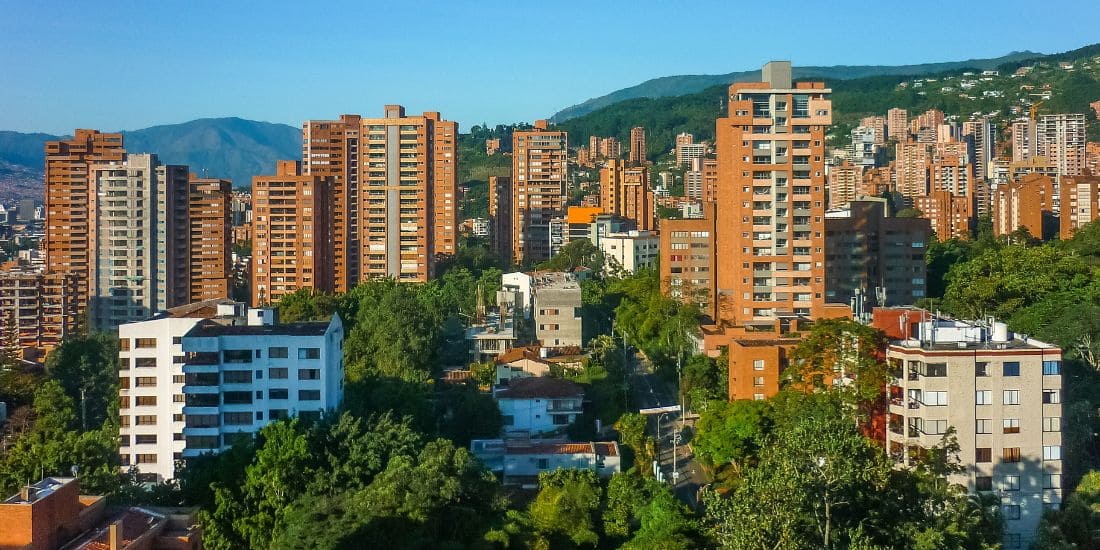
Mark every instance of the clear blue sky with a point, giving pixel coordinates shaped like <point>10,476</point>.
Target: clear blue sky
<point>128,65</point>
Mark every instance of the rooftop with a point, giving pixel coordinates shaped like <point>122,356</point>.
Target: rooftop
<point>516,354</point>
<point>554,279</point>
<point>39,490</point>
<point>205,309</point>
<point>210,329</point>
<point>608,448</point>
<point>539,387</point>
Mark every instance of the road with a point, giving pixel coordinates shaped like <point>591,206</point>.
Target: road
<point>650,391</point>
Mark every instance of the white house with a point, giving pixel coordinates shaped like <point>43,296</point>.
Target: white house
<point>520,462</point>
<point>520,283</point>
<point>539,404</point>
<point>630,251</point>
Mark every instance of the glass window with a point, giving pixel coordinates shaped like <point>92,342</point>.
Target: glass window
<point>309,374</point>
<point>280,373</point>
<point>981,369</point>
<point>1012,368</point>
<point>278,353</point>
<point>1011,397</point>
<point>984,426</point>
<point>1011,425</point>
<point>1010,454</point>
<point>983,397</point>
<point>1010,483</point>
<point>758,364</point>
<point>278,393</point>
<point>1052,424</point>
<point>309,395</point>
<point>1052,481</point>
<point>983,483</point>
<point>1011,511</point>
<point>1052,452</point>
<point>1051,397</point>
<point>983,454</point>
<point>1052,367</point>
<point>309,353</point>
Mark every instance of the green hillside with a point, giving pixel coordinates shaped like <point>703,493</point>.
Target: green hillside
<point>1071,92</point>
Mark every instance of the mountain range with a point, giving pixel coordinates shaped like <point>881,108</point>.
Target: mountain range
<point>232,148</point>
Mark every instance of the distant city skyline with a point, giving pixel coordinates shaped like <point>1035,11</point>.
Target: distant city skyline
<point>126,67</point>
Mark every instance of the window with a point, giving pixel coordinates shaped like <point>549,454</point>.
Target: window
<point>177,340</point>
<point>309,395</point>
<point>1052,424</point>
<point>935,398</point>
<point>543,463</point>
<point>1012,368</point>
<point>309,416</point>
<point>758,381</point>
<point>935,427</point>
<point>147,459</point>
<point>202,442</point>
<point>237,377</point>
<point>1051,397</point>
<point>1052,368</point>
<point>124,344</point>
<point>309,374</point>
<point>278,393</point>
<point>278,353</point>
<point>145,439</point>
<point>1011,397</point>
<point>758,364</point>
<point>1052,481</point>
<point>237,397</point>
<point>145,362</point>
<point>1012,425</point>
<point>309,353</point>
<point>280,373</point>
<point>123,441</point>
<point>237,356</point>
<point>983,483</point>
<point>1011,511</point>
<point>1011,540</point>
<point>509,420</point>
<point>277,414</point>
<point>983,454</point>
<point>145,343</point>
<point>237,418</point>
<point>1010,483</point>
<point>936,370</point>
<point>146,400</point>
<point>757,397</point>
<point>1052,452</point>
<point>984,426</point>
<point>981,369</point>
<point>237,438</point>
<point>983,397</point>
<point>177,398</point>
<point>146,381</point>
<point>1010,454</point>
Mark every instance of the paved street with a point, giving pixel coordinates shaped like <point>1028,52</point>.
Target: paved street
<point>651,391</point>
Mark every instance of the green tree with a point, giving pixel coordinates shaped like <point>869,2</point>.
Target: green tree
<point>1077,524</point>
<point>564,514</point>
<point>577,254</point>
<point>632,433</point>
<point>732,433</point>
<point>87,369</point>
<point>841,354</point>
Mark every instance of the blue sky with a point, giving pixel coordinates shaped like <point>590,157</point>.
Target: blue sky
<point>127,65</point>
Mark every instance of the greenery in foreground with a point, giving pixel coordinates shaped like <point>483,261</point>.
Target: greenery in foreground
<point>795,471</point>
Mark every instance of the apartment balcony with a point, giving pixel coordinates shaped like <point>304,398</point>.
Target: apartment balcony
<point>200,409</point>
<point>193,431</point>
<point>212,389</point>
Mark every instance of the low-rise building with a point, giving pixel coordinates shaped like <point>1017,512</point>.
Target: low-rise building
<point>630,251</point>
<point>522,362</point>
<point>52,513</point>
<point>998,393</point>
<point>519,462</point>
<point>557,304</point>
<point>537,405</point>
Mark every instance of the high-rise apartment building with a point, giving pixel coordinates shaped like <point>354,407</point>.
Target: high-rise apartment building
<point>331,148</point>
<point>199,378</point>
<point>37,311</point>
<point>1023,139</point>
<point>952,172</point>
<point>637,145</point>
<point>693,180</point>
<point>710,180</point>
<point>844,184</point>
<point>291,237</point>
<point>1025,203</point>
<point>949,214</point>
<point>876,124</point>
<point>981,137</point>
<point>688,259</point>
<point>1061,139</point>
<point>1080,203</point>
<point>1001,395</point>
<point>395,200</point>
<point>897,124</point>
<point>539,175</point>
<point>210,236</point>
<point>873,259</point>
<point>140,245</point>
<point>686,152</point>
<point>771,203</point>
<point>624,192</point>
<point>911,169</point>
<point>69,231</point>
<point>500,215</point>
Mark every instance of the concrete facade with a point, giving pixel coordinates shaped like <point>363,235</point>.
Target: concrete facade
<point>557,303</point>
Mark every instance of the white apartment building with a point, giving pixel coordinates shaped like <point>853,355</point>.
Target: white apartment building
<point>188,387</point>
<point>630,251</point>
<point>1001,393</point>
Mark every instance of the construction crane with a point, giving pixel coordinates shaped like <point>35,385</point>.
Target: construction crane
<point>1034,108</point>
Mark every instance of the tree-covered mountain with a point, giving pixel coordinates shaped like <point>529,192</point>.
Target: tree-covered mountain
<point>231,148</point>
<point>668,86</point>
<point>664,117</point>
